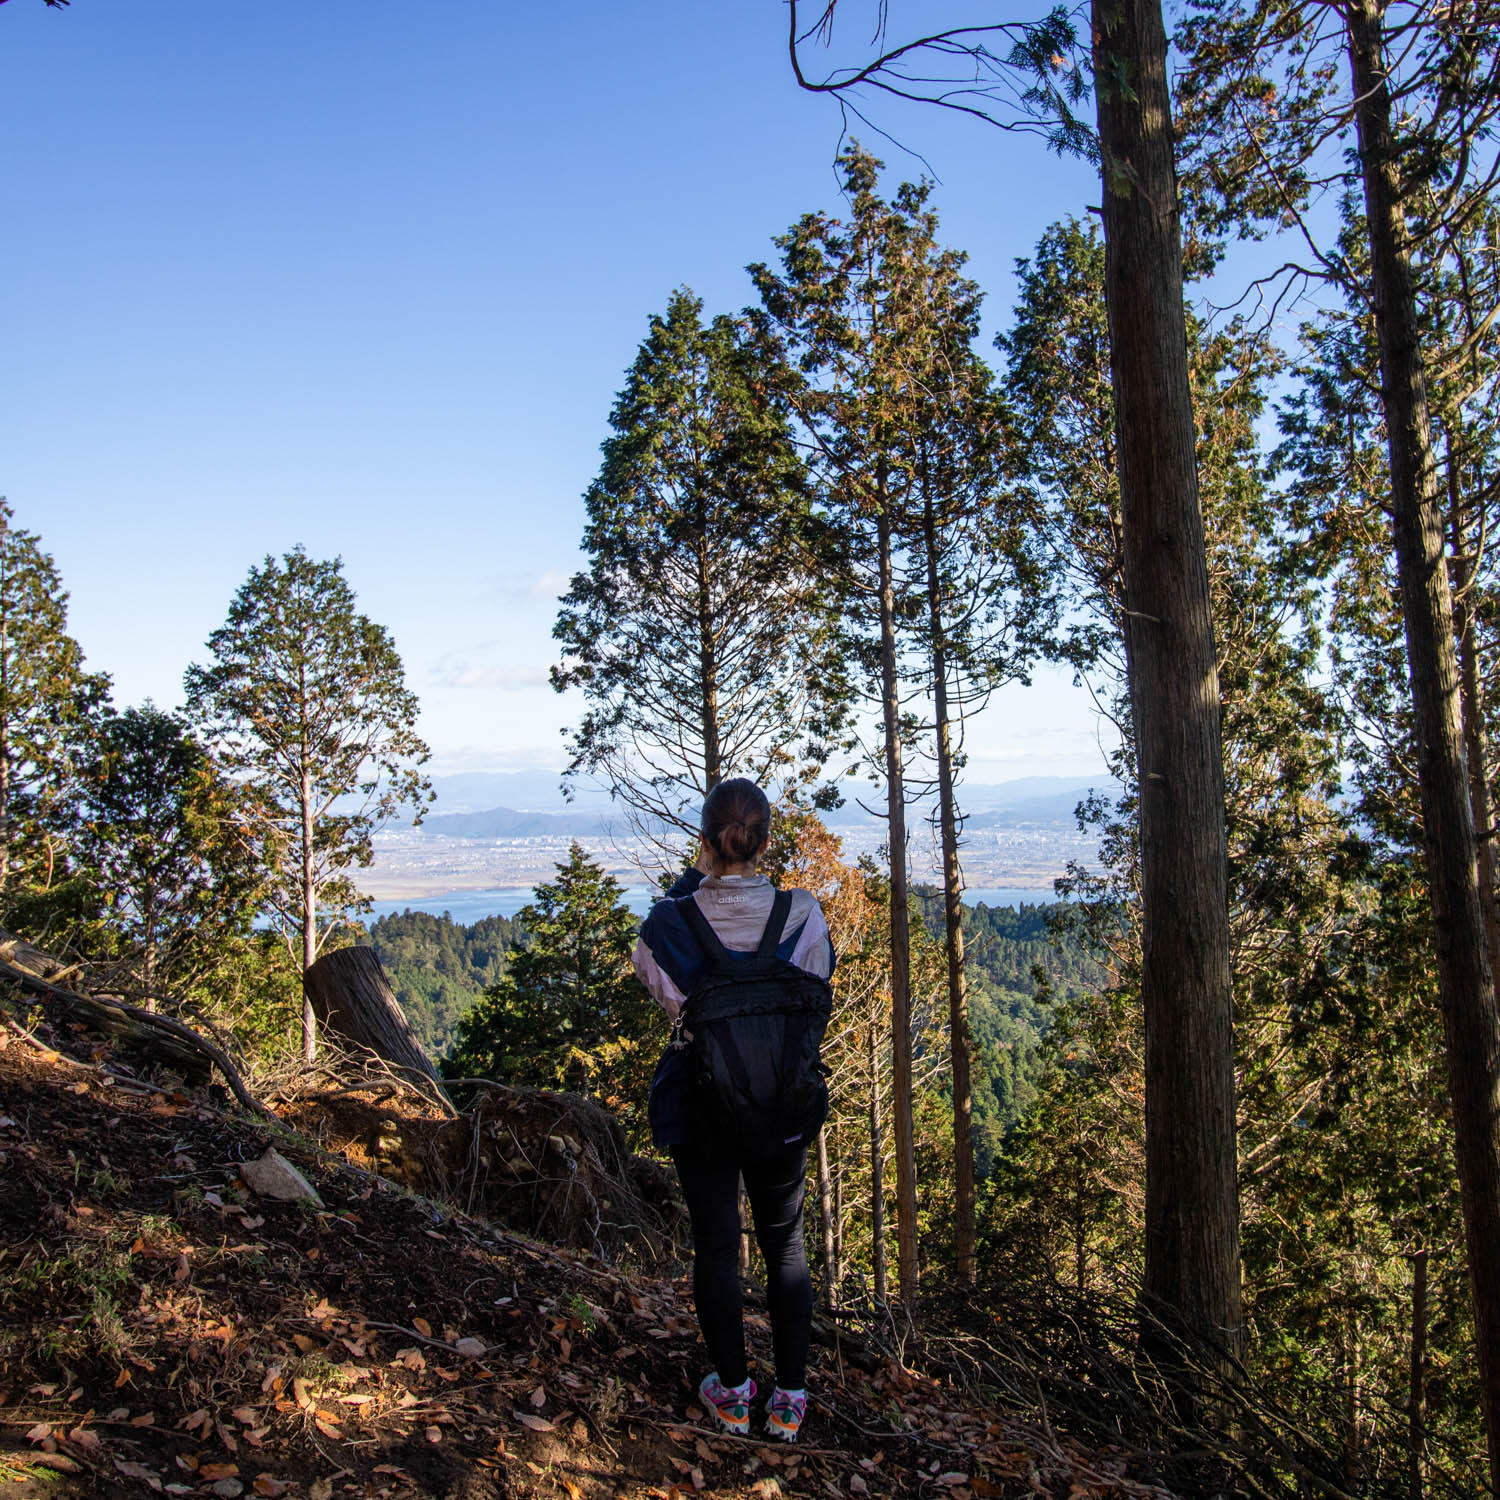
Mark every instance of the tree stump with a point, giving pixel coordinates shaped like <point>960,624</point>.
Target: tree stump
<point>352,998</point>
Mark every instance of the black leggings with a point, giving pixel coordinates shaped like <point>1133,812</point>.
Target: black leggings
<point>775,1188</point>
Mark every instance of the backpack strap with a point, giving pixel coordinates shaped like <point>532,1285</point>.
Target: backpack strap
<point>714,951</point>
<point>770,939</point>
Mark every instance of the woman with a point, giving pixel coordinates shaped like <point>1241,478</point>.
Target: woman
<point>736,900</point>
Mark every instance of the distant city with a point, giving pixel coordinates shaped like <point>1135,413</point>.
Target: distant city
<point>496,835</point>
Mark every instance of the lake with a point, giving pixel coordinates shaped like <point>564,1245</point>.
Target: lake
<point>468,907</point>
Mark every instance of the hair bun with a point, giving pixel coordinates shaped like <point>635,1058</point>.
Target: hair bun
<point>736,819</point>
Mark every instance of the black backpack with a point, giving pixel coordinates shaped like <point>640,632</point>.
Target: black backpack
<point>757,1024</point>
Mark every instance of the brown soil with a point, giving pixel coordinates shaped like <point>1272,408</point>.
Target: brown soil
<point>163,1330</point>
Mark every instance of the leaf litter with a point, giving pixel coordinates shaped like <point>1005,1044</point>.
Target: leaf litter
<point>277,1366</point>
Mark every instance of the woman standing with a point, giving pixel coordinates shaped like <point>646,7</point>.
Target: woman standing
<point>736,900</point>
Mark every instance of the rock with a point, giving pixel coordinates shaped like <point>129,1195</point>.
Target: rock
<point>471,1348</point>
<point>273,1176</point>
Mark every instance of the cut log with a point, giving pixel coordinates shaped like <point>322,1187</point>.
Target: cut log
<point>352,999</point>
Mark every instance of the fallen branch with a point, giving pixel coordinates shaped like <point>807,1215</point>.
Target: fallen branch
<point>411,1333</point>
<point>104,1012</point>
<point>670,1425</point>
<point>22,1035</point>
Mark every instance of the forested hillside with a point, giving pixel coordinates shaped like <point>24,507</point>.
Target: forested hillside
<point>1021,961</point>
<point>439,968</point>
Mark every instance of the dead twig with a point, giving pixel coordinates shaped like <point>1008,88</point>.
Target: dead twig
<point>103,1010</point>
<point>411,1333</point>
<point>22,1035</point>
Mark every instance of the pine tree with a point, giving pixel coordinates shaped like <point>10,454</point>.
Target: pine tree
<point>1411,94</point>
<point>932,555</point>
<point>850,304</point>
<point>569,1012</point>
<point>989,608</point>
<point>49,706</point>
<point>1193,1267</point>
<point>1392,1118</point>
<point>1292,895</point>
<point>170,848</point>
<point>698,634</point>
<point>305,702</point>
<point>1343,1156</point>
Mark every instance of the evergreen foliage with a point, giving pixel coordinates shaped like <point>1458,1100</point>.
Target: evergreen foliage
<point>569,1013</point>
<point>254,993</point>
<point>305,702</point>
<point>1396,105</point>
<point>49,709</point>
<point>439,968</point>
<point>1021,950</point>
<point>1320,967</point>
<point>859,307</point>
<point>698,635</point>
<point>168,844</point>
<point>1384,1305</point>
<point>1021,962</point>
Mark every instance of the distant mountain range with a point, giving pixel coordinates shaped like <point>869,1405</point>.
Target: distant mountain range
<point>528,791</point>
<point>528,804</point>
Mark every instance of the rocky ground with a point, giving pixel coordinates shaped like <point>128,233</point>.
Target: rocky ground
<point>165,1328</point>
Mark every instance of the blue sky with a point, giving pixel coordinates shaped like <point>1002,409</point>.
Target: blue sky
<point>366,278</point>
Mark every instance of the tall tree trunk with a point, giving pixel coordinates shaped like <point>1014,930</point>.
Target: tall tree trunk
<point>877,1164</point>
<point>1353,1414</point>
<point>1192,1267</point>
<point>1471,707</point>
<point>309,920</point>
<point>1080,1238</point>
<point>1470,1022</point>
<point>148,954</point>
<point>895,802</point>
<point>1417,1377</point>
<point>958,997</point>
<point>825,1215</point>
<point>708,675</point>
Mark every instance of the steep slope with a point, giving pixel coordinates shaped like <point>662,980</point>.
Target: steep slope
<point>164,1329</point>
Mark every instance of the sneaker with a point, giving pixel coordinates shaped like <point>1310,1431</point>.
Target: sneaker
<point>730,1404</point>
<point>784,1413</point>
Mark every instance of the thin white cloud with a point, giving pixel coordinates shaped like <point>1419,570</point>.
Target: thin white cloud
<point>553,584</point>
<point>521,587</point>
<point>467,759</point>
<point>456,672</point>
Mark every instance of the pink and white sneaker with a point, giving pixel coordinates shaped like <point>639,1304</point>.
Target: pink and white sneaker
<point>784,1413</point>
<point>730,1404</point>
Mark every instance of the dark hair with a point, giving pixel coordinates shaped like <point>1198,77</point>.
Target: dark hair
<point>736,819</point>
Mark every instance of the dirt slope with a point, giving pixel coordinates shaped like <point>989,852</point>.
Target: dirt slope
<point>165,1330</point>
